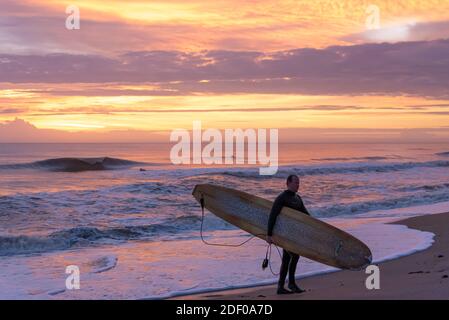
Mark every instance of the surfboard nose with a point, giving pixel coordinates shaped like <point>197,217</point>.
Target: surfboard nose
<point>197,188</point>
<point>199,191</point>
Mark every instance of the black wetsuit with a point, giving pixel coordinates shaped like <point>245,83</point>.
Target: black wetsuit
<point>289,259</point>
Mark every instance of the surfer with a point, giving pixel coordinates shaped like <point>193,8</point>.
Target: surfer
<point>288,198</point>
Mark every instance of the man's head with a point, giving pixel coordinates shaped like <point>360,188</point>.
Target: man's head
<point>293,183</point>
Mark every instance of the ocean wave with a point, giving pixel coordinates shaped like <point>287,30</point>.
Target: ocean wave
<point>442,154</point>
<point>151,188</point>
<point>355,158</point>
<point>362,207</point>
<point>140,198</point>
<point>87,236</point>
<point>344,168</point>
<point>74,164</point>
<point>425,187</point>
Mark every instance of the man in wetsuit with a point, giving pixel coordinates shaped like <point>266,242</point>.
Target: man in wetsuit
<point>287,198</point>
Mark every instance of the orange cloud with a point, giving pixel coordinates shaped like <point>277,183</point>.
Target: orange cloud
<point>158,65</point>
<point>108,27</point>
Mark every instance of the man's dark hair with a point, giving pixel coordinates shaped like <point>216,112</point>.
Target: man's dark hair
<point>290,177</point>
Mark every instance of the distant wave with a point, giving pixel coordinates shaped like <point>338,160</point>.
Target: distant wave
<point>87,236</point>
<point>343,168</point>
<point>354,158</point>
<point>442,153</point>
<point>74,164</point>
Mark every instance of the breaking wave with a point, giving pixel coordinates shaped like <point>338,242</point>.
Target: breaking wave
<point>346,168</point>
<point>74,164</point>
<point>442,154</point>
<point>355,158</point>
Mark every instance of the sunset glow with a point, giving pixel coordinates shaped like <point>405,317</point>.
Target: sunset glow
<point>158,65</point>
<point>224,150</point>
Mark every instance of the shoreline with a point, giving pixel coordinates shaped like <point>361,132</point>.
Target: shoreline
<point>420,275</point>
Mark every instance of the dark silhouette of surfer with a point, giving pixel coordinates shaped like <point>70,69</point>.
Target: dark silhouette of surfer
<point>288,198</point>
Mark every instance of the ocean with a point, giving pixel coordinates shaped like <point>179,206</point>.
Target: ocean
<point>128,220</point>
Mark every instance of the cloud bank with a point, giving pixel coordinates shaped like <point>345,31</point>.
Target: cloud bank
<point>409,68</point>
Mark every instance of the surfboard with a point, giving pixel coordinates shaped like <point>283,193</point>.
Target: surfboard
<point>293,230</point>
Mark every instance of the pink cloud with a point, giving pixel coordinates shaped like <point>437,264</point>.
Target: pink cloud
<point>413,68</point>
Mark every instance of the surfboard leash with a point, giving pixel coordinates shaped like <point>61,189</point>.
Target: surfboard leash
<point>217,244</point>
<point>267,260</point>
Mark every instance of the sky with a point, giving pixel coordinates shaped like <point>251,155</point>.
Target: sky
<point>138,69</point>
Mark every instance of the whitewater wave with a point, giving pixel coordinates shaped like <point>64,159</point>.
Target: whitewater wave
<point>361,207</point>
<point>345,168</point>
<point>75,164</point>
<point>103,264</point>
<point>186,227</point>
<point>88,236</point>
<point>126,199</point>
<point>425,187</point>
<point>357,158</point>
<point>151,188</point>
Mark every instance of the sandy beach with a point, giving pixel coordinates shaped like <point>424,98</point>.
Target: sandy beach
<point>422,275</point>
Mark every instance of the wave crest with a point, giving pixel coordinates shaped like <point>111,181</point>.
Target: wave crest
<point>86,236</point>
<point>75,164</point>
